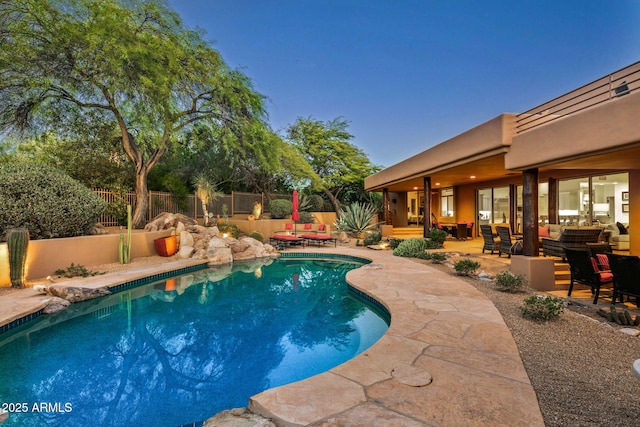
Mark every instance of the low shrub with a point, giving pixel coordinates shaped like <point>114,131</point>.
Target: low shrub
<point>75,271</point>
<point>393,243</point>
<point>438,236</point>
<point>466,267</point>
<point>411,248</point>
<point>373,238</point>
<point>432,244</point>
<point>438,257</point>
<point>231,229</point>
<point>258,236</point>
<point>542,308</point>
<point>506,281</point>
<point>280,208</point>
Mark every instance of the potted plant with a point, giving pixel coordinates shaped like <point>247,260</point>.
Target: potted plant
<point>166,246</point>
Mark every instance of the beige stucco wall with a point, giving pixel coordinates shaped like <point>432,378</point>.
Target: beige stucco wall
<point>481,141</point>
<point>44,257</point>
<point>595,130</point>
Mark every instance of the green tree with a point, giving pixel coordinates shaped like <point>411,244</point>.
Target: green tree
<point>128,62</point>
<point>326,147</point>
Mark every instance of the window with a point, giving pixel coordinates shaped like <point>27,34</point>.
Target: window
<point>446,203</point>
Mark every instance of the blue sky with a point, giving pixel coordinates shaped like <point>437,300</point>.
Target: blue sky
<point>410,74</point>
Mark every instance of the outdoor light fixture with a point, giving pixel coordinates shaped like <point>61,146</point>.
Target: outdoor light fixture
<point>472,177</point>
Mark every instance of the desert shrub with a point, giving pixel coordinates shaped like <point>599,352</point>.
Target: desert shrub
<point>541,308</point>
<point>393,243</point>
<point>231,229</point>
<point>373,238</point>
<point>466,267</point>
<point>258,236</point>
<point>411,248</point>
<point>280,208</point>
<point>438,236</point>
<point>433,244</point>
<point>315,203</point>
<point>438,257</point>
<point>75,271</point>
<point>45,201</point>
<point>506,281</point>
<point>307,218</point>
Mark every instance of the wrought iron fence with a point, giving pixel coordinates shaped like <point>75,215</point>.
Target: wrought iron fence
<point>229,204</point>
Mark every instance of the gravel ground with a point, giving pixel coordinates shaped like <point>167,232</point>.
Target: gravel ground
<point>579,366</point>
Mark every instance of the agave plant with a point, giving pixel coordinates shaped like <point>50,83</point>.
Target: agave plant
<point>357,218</point>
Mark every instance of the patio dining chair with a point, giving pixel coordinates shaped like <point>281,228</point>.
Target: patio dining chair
<point>584,270</point>
<point>625,270</point>
<point>505,240</point>
<point>491,243</point>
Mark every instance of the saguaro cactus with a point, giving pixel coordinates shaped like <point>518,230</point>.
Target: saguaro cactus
<point>17,242</point>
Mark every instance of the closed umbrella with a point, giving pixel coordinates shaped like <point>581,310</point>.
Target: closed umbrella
<point>295,215</point>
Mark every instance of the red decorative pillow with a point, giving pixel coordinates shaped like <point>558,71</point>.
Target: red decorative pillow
<point>307,226</point>
<point>543,231</point>
<point>321,227</point>
<point>603,260</point>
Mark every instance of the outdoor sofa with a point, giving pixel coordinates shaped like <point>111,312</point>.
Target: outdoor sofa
<point>570,238</point>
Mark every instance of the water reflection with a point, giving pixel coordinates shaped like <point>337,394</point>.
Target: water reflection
<point>180,350</point>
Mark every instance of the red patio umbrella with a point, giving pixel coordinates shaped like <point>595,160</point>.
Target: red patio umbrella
<point>295,215</point>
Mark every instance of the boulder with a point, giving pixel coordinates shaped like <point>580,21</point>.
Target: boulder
<point>201,253</point>
<point>217,242</point>
<point>166,220</point>
<point>219,256</point>
<point>74,294</point>
<point>186,239</point>
<point>55,305</point>
<point>185,252</point>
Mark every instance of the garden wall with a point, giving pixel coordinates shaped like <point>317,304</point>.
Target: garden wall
<point>46,256</point>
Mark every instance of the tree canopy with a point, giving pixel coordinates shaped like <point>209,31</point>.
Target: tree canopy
<point>128,62</point>
<point>326,147</point>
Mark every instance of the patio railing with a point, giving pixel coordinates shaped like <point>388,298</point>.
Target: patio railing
<point>606,89</point>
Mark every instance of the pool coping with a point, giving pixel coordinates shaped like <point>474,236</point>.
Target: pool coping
<point>440,325</point>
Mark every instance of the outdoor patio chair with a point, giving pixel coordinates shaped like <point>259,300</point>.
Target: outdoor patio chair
<point>505,240</point>
<point>599,251</point>
<point>626,271</point>
<point>584,270</point>
<point>491,243</point>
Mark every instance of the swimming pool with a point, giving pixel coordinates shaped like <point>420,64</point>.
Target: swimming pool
<point>180,350</point>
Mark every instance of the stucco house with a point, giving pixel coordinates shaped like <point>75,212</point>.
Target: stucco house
<point>574,160</point>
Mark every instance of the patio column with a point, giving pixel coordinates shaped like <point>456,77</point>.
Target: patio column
<point>513,203</point>
<point>385,206</point>
<point>531,244</point>
<point>426,194</point>
<point>552,201</point>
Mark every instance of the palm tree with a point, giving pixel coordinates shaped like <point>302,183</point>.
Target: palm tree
<point>205,191</point>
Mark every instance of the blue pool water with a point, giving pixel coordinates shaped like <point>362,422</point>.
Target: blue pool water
<point>180,350</point>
